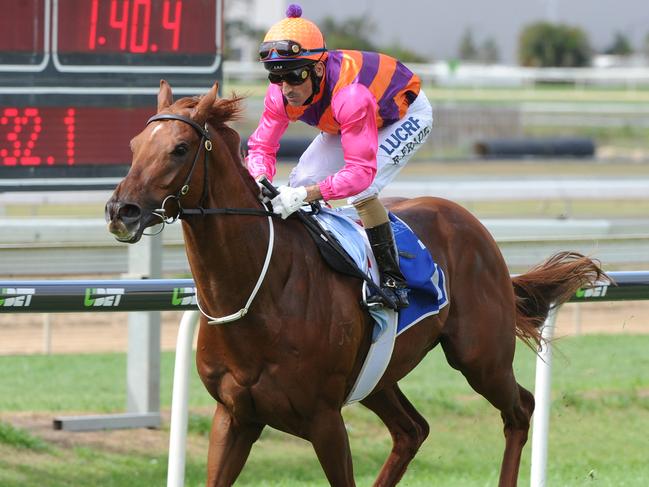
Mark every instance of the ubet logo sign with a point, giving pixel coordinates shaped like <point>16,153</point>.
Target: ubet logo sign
<point>593,292</point>
<point>102,296</point>
<point>183,296</point>
<point>16,297</point>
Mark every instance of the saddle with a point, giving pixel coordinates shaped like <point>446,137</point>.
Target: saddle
<point>343,246</point>
<point>330,248</point>
<point>424,278</point>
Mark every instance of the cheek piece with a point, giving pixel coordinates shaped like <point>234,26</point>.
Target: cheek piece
<point>315,83</point>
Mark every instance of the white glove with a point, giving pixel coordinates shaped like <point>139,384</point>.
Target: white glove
<point>288,200</point>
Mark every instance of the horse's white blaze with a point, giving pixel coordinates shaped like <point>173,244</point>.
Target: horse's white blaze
<point>155,129</point>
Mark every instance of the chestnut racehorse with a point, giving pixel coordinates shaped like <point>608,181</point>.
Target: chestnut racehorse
<point>291,360</point>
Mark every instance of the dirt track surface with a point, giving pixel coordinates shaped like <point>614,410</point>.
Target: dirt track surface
<point>141,441</point>
<point>76,332</point>
<point>108,332</point>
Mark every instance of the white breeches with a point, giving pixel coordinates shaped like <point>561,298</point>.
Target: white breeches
<point>397,144</point>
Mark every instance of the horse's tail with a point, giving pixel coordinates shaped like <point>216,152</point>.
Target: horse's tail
<point>550,284</point>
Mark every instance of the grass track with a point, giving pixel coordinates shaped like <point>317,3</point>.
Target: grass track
<point>599,424</point>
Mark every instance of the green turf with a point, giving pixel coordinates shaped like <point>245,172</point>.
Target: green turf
<point>599,423</point>
<point>20,438</point>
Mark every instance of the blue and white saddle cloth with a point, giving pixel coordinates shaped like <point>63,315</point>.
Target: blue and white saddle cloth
<point>424,277</point>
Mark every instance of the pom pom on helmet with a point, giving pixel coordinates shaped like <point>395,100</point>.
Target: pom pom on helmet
<point>294,10</point>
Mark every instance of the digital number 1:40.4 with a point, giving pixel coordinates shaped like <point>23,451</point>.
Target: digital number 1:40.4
<point>133,21</point>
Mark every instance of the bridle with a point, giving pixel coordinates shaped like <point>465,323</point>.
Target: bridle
<point>206,144</point>
<point>182,213</point>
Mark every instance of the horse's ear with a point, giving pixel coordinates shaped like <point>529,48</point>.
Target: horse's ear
<point>204,107</point>
<point>165,97</point>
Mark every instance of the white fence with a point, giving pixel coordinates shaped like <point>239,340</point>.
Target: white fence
<point>46,247</point>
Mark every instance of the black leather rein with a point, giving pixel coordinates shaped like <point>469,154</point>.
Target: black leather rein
<point>206,144</point>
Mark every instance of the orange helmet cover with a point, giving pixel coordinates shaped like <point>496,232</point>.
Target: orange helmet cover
<point>295,28</point>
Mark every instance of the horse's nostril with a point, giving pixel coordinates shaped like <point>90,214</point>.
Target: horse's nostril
<point>108,211</point>
<point>111,210</point>
<point>129,213</point>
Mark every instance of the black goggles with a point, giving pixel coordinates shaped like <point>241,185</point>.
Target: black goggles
<point>283,49</point>
<point>294,77</point>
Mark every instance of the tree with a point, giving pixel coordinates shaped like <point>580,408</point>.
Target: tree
<point>403,54</point>
<point>621,46</point>
<point>239,29</point>
<point>467,50</point>
<point>489,52</point>
<point>354,33</point>
<point>544,44</point>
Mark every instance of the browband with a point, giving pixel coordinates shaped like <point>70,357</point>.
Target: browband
<point>169,116</point>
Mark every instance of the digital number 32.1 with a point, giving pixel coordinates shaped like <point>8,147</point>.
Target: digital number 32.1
<point>20,129</point>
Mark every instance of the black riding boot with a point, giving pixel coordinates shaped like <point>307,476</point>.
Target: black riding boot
<point>392,281</point>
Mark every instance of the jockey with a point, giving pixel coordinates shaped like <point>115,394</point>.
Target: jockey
<point>372,116</point>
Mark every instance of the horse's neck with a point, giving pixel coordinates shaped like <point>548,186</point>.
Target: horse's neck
<point>226,252</point>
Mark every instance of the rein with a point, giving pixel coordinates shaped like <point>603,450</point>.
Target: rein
<point>206,143</point>
<point>182,213</point>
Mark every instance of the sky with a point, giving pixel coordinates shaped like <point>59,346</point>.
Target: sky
<point>434,28</point>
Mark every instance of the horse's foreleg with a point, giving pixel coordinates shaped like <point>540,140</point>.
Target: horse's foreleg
<point>230,445</point>
<point>329,437</point>
<point>407,427</point>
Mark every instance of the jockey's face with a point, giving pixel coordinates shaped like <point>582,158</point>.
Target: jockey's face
<point>296,95</point>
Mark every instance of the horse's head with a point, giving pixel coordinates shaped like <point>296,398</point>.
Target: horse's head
<point>167,161</point>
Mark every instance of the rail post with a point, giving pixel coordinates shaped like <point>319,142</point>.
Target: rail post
<point>625,286</point>
<point>542,396</point>
<point>180,400</point>
<point>143,357</point>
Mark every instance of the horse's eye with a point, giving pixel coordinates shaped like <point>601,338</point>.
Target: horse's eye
<point>180,150</point>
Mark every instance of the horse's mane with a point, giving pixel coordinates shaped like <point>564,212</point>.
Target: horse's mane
<point>224,110</point>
